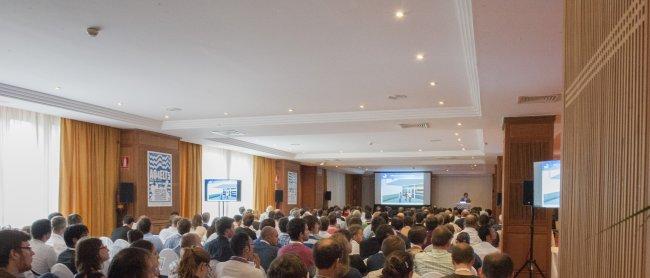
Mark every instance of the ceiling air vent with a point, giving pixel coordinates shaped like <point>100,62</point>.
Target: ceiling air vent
<point>418,125</point>
<point>396,97</point>
<point>539,99</point>
<point>228,133</point>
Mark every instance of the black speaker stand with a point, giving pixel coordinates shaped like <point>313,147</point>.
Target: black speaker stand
<point>531,256</point>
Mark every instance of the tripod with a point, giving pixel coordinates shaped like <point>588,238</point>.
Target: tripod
<point>531,258</point>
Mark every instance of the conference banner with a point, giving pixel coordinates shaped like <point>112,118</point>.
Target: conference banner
<point>159,179</point>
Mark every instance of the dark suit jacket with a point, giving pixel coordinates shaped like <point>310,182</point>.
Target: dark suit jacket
<point>369,247</point>
<point>67,258</point>
<point>219,249</point>
<point>266,252</point>
<point>248,231</point>
<point>120,232</point>
<point>357,262</point>
<point>376,262</point>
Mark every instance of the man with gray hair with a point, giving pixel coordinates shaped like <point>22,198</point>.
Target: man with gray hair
<point>266,248</point>
<point>56,239</point>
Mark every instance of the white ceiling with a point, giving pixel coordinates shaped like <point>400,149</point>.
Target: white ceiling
<point>255,60</point>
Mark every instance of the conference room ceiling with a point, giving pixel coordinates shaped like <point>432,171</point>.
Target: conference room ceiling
<point>321,82</point>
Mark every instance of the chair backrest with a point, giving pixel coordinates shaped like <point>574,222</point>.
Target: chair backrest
<point>167,257</point>
<point>107,241</point>
<point>118,245</point>
<point>61,271</point>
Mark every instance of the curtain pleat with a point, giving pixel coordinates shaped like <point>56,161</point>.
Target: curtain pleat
<point>89,173</point>
<point>190,178</point>
<point>263,182</point>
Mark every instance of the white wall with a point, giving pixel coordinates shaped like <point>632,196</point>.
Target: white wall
<point>448,189</point>
<point>225,164</point>
<point>336,184</point>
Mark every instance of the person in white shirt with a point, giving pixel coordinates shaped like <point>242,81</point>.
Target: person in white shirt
<point>44,255</point>
<point>243,263</point>
<point>357,237</point>
<point>171,230</point>
<point>56,240</point>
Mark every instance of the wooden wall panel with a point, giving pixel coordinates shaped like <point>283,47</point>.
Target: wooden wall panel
<point>281,169</point>
<point>605,140</point>
<point>527,140</point>
<point>353,190</point>
<point>312,186</point>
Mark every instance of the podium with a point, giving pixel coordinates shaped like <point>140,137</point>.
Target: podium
<point>463,205</point>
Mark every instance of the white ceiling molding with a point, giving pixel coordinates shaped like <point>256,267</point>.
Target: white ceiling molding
<point>76,106</point>
<point>336,117</point>
<point>251,146</point>
<point>430,154</point>
<point>466,22</point>
<point>389,163</point>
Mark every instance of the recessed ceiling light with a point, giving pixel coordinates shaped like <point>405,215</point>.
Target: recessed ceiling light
<point>464,149</point>
<point>419,150</point>
<point>474,165</point>
<point>362,106</point>
<point>399,14</point>
<point>366,169</point>
<point>166,116</point>
<point>419,56</point>
<point>446,170</point>
<point>225,113</point>
<point>322,163</point>
<point>459,124</point>
<point>458,139</point>
<point>456,133</point>
<point>57,88</point>
<point>119,104</point>
<point>290,110</point>
<point>432,83</point>
<point>441,103</point>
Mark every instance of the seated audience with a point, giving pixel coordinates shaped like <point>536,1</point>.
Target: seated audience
<point>205,217</point>
<point>238,265</point>
<point>144,226</point>
<point>194,263</point>
<point>91,254</point>
<point>298,232</point>
<point>212,230</point>
<point>470,222</point>
<point>283,238</point>
<point>369,231</point>
<point>134,235</point>
<point>120,232</point>
<point>44,255</point>
<point>174,241</point>
<point>314,226</point>
<point>187,241</point>
<point>54,214</point>
<point>462,257</point>
<point>15,253</point>
<point>168,232</point>
<point>437,260</point>
<point>389,245</point>
<point>463,237</point>
<point>398,224</point>
<point>430,222</point>
<point>417,236</point>
<point>72,235</point>
<point>323,225</point>
<point>327,258</point>
<point>58,224</point>
<point>265,223</point>
<point>346,270</point>
<point>333,227</point>
<point>146,245</point>
<point>357,237</point>
<point>134,262</point>
<point>398,265</point>
<point>247,226</point>
<point>219,248</point>
<point>287,266</point>
<point>408,223</point>
<point>372,245</point>
<point>74,219</point>
<point>266,248</point>
<point>238,218</point>
<point>461,221</point>
<point>197,226</point>
<point>497,265</point>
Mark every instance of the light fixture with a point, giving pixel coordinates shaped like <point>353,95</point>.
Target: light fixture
<point>336,166</point>
<point>225,113</point>
<point>399,14</point>
<point>366,169</point>
<point>446,170</point>
<point>441,102</point>
<point>57,88</point>
<point>419,56</point>
<point>419,150</point>
<point>381,151</point>
<point>458,139</point>
<point>362,106</point>
<point>474,165</point>
<point>322,163</point>
<point>464,149</point>
<point>290,110</point>
<point>166,116</point>
<point>119,104</point>
<point>456,133</point>
<point>459,124</point>
<point>432,83</point>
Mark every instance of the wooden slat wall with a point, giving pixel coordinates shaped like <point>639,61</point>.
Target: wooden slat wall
<point>605,145</point>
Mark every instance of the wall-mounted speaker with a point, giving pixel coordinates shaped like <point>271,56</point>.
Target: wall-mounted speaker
<point>499,199</point>
<point>125,193</point>
<point>278,195</point>
<point>328,195</point>
<point>528,197</point>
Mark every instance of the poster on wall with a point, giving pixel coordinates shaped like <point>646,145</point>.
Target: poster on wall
<point>292,188</point>
<point>159,179</point>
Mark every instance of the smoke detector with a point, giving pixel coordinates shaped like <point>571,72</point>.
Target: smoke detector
<point>416,125</point>
<point>539,99</point>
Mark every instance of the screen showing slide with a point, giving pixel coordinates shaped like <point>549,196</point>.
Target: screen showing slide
<point>402,188</point>
<point>222,190</point>
<point>547,184</point>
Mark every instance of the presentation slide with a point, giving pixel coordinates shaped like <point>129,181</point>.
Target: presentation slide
<point>403,188</point>
<point>547,184</point>
<point>222,190</point>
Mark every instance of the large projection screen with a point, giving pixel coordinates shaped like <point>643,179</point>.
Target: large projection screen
<point>407,189</point>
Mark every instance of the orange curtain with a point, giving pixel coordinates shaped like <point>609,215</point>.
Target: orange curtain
<point>263,182</point>
<point>190,178</point>
<point>89,173</point>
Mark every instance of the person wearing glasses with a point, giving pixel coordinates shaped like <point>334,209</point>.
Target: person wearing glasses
<point>91,254</point>
<point>15,253</point>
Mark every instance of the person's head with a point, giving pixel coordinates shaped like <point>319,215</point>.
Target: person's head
<point>225,227</point>
<point>471,221</point>
<point>189,240</point>
<point>417,235</point>
<point>483,220</point>
<point>58,224</point>
<point>282,223</point>
<point>383,231</point>
<point>184,226</point>
<point>462,237</point>
<point>128,220</point>
<point>248,219</point>
<point>497,265</point>
<point>269,234</point>
<point>197,221</point>
<point>240,245</point>
<point>195,262</point>
<point>332,218</point>
<point>174,213</point>
<point>205,217</point>
<point>90,253</point>
<point>134,235</point>
<point>144,244</point>
<point>297,229</point>
<point>440,238</point>
<point>242,210</point>
<point>431,222</point>
<point>357,232</point>
<point>397,223</point>
<point>462,255</point>
<point>287,266</point>
<point>464,213</point>
<point>237,218</point>
<point>376,221</point>
<point>268,222</point>
<point>133,263</point>
<point>398,264</point>
<point>74,233</point>
<point>408,221</point>
<point>391,244</point>
<point>327,255</point>
<point>173,220</point>
<point>344,243</point>
<point>41,229</point>
<point>354,220</point>
<point>324,223</point>
<point>74,219</point>
<point>15,252</point>
<point>419,217</point>
<point>313,225</point>
<point>465,195</point>
<point>144,225</point>
<point>54,214</point>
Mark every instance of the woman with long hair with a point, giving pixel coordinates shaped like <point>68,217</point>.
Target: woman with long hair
<point>90,255</point>
<point>346,248</point>
<point>195,263</point>
<point>134,262</point>
<point>197,227</point>
<point>399,264</point>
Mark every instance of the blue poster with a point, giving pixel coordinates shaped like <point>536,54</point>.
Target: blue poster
<point>159,179</point>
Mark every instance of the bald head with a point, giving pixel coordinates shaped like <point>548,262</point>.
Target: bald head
<point>471,221</point>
